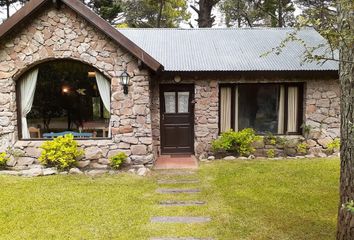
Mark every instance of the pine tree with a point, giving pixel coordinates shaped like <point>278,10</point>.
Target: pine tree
<point>268,13</point>
<point>155,13</point>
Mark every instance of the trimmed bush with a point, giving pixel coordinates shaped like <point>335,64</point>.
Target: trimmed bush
<point>334,145</point>
<point>62,152</point>
<point>3,159</point>
<point>118,159</point>
<point>271,153</point>
<point>235,142</point>
<point>302,148</point>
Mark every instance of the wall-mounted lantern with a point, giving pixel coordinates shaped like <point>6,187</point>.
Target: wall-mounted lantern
<point>177,79</point>
<point>124,80</point>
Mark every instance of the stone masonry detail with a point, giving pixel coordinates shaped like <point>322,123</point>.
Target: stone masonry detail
<point>62,34</point>
<point>322,113</point>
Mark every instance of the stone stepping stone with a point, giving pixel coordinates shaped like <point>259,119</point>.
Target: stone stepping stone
<point>166,181</point>
<point>177,190</point>
<point>180,238</point>
<point>176,173</point>
<point>180,219</point>
<point>181,203</point>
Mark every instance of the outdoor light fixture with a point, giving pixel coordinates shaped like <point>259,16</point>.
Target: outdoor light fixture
<point>177,79</point>
<point>124,80</point>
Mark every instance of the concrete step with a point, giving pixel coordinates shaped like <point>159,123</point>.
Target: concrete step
<point>181,203</point>
<point>173,181</point>
<point>177,190</point>
<point>180,219</point>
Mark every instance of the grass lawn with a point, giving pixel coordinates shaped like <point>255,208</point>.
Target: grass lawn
<point>258,199</point>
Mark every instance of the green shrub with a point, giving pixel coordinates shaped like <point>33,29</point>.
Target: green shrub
<point>334,145</point>
<point>281,141</point>
<point>302,147</point>
<point>118,159</point>
<point>3,159</point>
<point>271,153</point>
<point>62,152</point>
<point>269,138</point>
<point>16,153</point>
<point>235,142</point>
<point>306,129</point>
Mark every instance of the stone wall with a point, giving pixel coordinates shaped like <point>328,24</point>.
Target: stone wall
<point>321,113</point>
<point>322,103</point>
<point>62,34</point>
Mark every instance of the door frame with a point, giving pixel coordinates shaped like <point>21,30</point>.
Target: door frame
<point>177,87</point>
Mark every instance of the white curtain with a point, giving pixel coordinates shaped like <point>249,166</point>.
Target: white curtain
<point>281,110</point>
<point>236,109</point>
<point>292,109</point>
<point>225,109</point>
<point>104,87</point>
<point>27,89</point>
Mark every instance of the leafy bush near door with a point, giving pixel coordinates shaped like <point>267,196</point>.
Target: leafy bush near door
<point>62,152</point>
<point>232,142</point>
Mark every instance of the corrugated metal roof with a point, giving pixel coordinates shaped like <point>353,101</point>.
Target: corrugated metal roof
<point>230,49</point>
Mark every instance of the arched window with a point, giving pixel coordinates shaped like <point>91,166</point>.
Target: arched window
<point>64,96</point>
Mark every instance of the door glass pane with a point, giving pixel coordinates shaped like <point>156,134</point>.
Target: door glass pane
<point>183,100</point>
<point>170,102</point>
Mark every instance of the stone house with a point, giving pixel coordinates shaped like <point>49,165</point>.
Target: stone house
<point>148,92</point>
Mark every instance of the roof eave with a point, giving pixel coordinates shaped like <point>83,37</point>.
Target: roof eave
<point>18,17</point>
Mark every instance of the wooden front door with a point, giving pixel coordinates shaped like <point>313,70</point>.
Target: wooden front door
<point>177,118</point>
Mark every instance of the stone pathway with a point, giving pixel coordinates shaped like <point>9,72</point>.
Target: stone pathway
<point>168,238</point>
<point>177,190</point>
<point>181,203</point>
<point>167,178</point>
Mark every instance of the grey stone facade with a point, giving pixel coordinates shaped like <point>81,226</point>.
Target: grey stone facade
<point>62,34</point>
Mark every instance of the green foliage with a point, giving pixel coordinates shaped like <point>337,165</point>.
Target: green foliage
<point>3,159</point>
<point>61,152</point>
<point>281,141</point>
<point>349,206</point>
<point>107,9</point>
<point>334,145</point>
<point>302,147</point>
<point>306,129</point>
<point>271,153</point>
<point>158,14</point>
<point>269,138</point>
<point>14,152</point>
<point>236,142</point>
<point>323,17</point>
<point>118,159</point>
<point>267,13</point>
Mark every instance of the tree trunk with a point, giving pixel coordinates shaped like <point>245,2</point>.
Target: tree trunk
<point>159,16</point>
<point>345,229</point>
<point>280,13</point>
<point>7,8</point>
<point>238,14</point>
<point>205,18</point>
